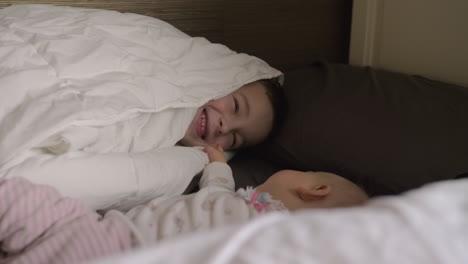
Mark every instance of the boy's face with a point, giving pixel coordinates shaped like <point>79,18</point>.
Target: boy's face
<point>242,118</point>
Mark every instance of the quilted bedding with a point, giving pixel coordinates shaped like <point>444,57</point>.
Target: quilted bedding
<point>90,97</point>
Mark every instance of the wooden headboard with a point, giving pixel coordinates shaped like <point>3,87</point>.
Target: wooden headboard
<point>285,33</point>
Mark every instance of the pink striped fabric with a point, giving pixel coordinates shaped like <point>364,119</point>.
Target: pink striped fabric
<point>38,225</point>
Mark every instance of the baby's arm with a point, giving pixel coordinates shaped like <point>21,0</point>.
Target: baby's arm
<point>217,172</point>
<point>38,225</point>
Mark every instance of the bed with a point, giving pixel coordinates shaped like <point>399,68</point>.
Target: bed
<point>417,172</point>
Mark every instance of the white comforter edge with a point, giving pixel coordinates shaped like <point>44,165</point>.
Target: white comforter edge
<point>427,226</point>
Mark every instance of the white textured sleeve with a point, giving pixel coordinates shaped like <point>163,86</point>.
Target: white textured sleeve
<point>115,180</point>
<point>164,172</point>
<point>217,174</point>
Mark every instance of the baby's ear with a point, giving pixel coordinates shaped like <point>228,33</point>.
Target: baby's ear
<point>314,192</point>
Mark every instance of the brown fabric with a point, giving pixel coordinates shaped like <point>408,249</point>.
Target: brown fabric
<point>387,131</point>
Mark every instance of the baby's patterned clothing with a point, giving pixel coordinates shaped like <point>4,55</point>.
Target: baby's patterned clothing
<point>215,204</point>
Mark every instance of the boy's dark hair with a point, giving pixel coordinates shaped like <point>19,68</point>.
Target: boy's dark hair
<point>277,98</point>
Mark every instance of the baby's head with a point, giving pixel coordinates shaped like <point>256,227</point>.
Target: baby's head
<point>301,190</point>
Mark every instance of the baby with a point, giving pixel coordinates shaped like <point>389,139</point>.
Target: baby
<point>38,225</point>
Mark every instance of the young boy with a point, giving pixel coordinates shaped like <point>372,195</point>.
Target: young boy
<point>37,225</point>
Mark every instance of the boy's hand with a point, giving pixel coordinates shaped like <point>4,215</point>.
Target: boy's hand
<point>215,154</point>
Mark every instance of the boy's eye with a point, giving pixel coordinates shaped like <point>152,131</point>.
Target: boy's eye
<point>236,105</point>
<point>233,144</point>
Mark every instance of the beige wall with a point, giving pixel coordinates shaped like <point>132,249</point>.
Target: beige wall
<point>426,37</point>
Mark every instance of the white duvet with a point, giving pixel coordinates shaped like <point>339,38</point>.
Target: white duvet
<point>424,226</point>
<point>93,101</point>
